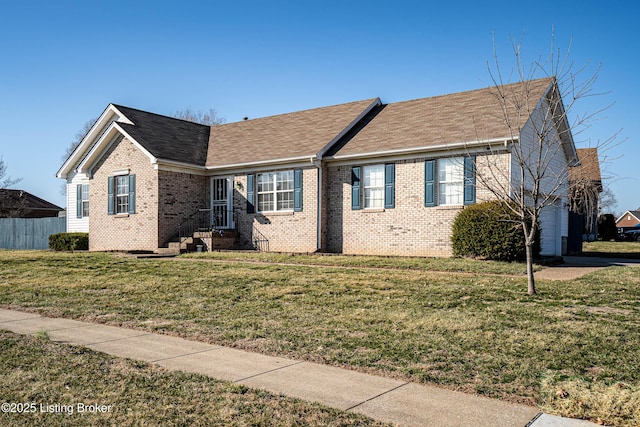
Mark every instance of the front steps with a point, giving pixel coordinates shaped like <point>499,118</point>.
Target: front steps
<point>203,241</point>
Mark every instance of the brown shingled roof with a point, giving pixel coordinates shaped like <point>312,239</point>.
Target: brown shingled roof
<point>455,118</point>
<point>589,168</point>
<point>286,136</point>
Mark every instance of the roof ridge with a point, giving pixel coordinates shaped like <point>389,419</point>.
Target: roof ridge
<point>119,107</point>
<point>369,100</point>
<point>465,92</point>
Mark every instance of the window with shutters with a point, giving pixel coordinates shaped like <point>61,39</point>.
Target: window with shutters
<point>373,186</point>
<point>121,194</point>
<point>450,181</point>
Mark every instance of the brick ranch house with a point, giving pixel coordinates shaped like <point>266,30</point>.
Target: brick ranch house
<point>357,178</point>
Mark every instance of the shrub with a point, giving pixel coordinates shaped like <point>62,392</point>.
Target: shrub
<point>69,241</point>
<point>490,230</point>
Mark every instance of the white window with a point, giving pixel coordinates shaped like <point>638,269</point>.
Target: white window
<point>451,181</point>
<point>275,191</point>
<point>373,183</point>
<point>122,194</point>
<point>85,200</point>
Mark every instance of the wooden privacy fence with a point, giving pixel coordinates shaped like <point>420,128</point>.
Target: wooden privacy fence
<point>29,233</point>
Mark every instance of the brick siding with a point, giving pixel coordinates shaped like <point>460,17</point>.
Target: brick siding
<point>285,231</point>
<point>408,229</point>
<point>179,196</point>
<point>125,232</point>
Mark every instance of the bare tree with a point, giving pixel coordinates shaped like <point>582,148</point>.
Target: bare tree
<point>540,131</point>
<point>209,118</point>
<point>79,136</point>
<point>6,181</point>
<point>608,201</point>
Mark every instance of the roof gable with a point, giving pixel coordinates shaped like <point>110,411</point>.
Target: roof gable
<point>635,214</point>
<point>167,138</point>
<point>286,137</point>
<point>440,121</point>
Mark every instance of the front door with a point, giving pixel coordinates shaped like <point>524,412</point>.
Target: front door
<point>222,203</point>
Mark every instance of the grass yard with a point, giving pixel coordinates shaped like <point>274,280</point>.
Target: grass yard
<point>612,249</point>
<point>135,393</point>
<point>457,265</point>
<point>478,333</point>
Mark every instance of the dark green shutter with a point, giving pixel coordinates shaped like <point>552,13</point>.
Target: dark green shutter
<point>469,180</point>
<point>355,188</point>
<point>430,183</point>
<point>111,199</point>
<point>297,190</point>
<point>251,193</point>
<point>132,194</point>
<point>389,185</point>
<point>79,201</point>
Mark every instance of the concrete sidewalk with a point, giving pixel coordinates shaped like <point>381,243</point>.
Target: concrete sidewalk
<point>384,399</point>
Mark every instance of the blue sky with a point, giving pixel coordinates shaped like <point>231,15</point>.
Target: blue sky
<point>63,62</point>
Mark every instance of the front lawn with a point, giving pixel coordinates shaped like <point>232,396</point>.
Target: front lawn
<point>478,333</point>
<point>52,384</point>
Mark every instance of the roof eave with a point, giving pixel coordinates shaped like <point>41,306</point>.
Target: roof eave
<point>427,149</point>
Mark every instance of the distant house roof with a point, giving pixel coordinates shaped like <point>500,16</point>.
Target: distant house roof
<point>589,167</point>
<point>634,220</point>
<point>441,120</point>
<point>167,138</point>
<point>302,134</point>
<point>19,203</point>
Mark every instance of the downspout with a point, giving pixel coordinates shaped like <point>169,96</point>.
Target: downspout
<point>318,164</point>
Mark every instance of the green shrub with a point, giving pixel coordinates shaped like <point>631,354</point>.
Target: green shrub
<point>69,241</point>
<point>490,230</point>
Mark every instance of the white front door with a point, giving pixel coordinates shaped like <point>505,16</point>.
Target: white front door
<point>222,202</point>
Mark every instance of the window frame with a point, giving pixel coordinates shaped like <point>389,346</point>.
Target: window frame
<point>85,200</point>
<point>121,208</point>
<point>368,189</point>
<point>457,184</point>
<point>278,194</point>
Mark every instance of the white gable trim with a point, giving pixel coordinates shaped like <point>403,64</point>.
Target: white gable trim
<point>108,116</point>
<point>100,135</point>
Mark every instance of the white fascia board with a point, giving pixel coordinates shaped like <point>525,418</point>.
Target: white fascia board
<point>326,148</point>
<point>303,161</point>
<point>432,150</point>
<point>89,139</point>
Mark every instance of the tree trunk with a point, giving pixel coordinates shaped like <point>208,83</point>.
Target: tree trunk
<point>530,278</point>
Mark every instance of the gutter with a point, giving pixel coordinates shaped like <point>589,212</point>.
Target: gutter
<point>430,148</point>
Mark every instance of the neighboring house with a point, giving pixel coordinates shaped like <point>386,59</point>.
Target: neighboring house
<point>21,204</point>
<point>358,178</point>
<point>585,186</point>
<point>628,221</point>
